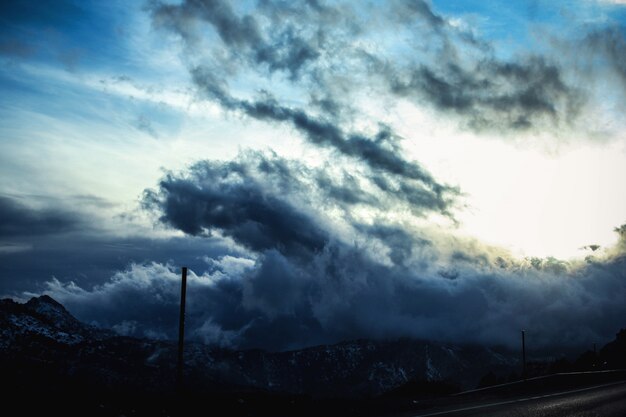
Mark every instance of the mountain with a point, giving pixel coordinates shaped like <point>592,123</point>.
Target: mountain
<point>44,317</point>
<point>42,337</point>
<point>360,367</point>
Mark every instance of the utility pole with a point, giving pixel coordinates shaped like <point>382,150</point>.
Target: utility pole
<point>524,354</point>
<point>181,327</point>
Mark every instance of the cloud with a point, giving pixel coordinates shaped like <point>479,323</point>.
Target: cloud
<point>378,152</point>
<point>69,238</point>
<point>462,75</point>
<point>7,248</point>
<point>445,66</point>
<point>400,241</point>
<point>609,44</point>
<point>225,197</point>
<point>154,291</point>
<point>93,256</point>
<point>145,125</point>
<point>257,200</point>
<point>278,302</point>
<point>324,275</point>
<point>493,94</point>
<point>406,11</point>
<point>17,219</point>
<point>282,49</point>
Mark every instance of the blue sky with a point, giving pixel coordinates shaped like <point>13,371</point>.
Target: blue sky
<point>269,145</point>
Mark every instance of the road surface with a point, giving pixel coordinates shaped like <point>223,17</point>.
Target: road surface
<point>607,400</point>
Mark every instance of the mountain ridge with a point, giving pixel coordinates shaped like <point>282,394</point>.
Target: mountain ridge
<point>42,327</point>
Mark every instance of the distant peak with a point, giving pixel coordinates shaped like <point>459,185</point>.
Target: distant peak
<point>44,299</point>
<point>49,307</point>
<point>47,299</point>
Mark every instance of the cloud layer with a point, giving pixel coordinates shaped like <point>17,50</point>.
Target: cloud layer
<point>304,276</point>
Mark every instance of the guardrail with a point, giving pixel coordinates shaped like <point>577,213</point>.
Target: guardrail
<point>555,381</point>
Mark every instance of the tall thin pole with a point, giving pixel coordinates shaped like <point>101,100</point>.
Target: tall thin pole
<point>524,354</point>
<point>181,325</point>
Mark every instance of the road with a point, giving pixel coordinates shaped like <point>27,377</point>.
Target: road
<point>607,400</point>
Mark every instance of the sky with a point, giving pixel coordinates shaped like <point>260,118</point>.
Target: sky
<point>328,170</point>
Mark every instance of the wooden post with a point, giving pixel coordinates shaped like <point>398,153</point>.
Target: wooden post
<point>181,326</point>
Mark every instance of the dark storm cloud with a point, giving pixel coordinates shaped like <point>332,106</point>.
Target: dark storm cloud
<point>321,51</point>
<point>18,219</point>
<point>92,257</point>
<point>283,49</point>
<point>379,152</point>
<point>265,202</point>
<point>280,302</point>
<point>308,285</point>
<point>347,191</point>
<point>438,200</point>
<point>407,10</point>
<point>224,197</point>
<point>43,237</point>
<point>489,93</point>
<point>232,29</point>
<point>291,52</point>
<point>493,94</point>
<point>400,242</point>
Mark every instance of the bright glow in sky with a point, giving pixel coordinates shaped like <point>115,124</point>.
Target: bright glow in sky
<point>543,205</point>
